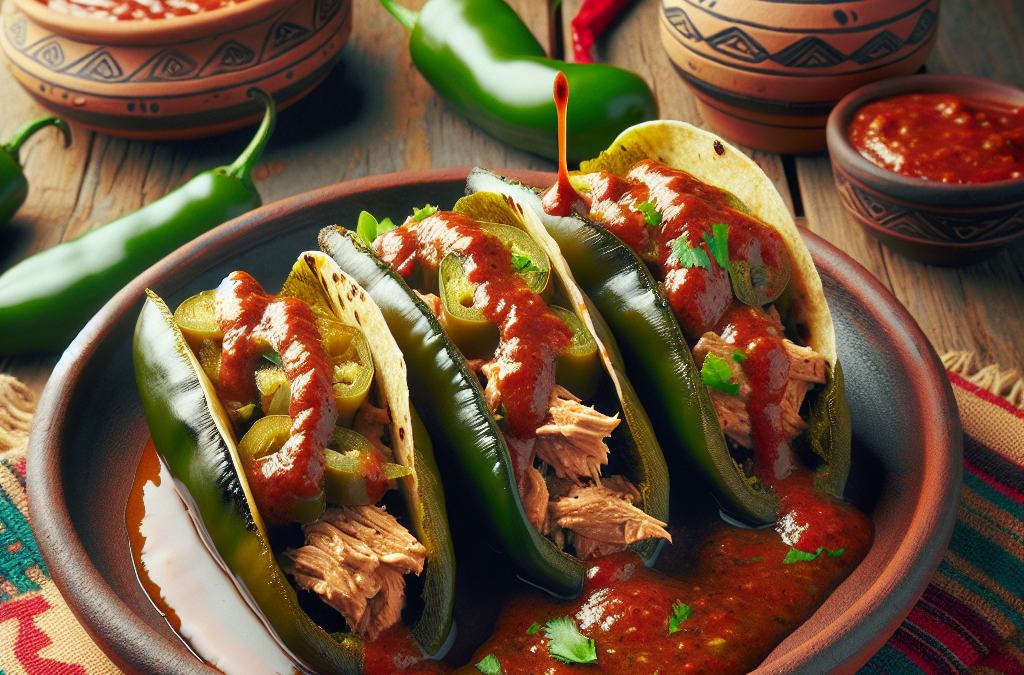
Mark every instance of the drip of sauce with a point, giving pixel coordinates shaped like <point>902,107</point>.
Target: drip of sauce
<point>187,586</point>
<point>530,335</point>
<point>743,601</point>
<point>562,199</point>
<point>251,322</point>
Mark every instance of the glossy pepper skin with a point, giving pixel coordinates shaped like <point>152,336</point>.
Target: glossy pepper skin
<point>13,186</point>
<point>480,56</point>
<point>659,360</point>
<point>193,435</point>
<point>447,393</point>
<point>47,298</point>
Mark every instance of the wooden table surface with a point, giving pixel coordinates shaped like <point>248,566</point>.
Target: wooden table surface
<point>375,114</point>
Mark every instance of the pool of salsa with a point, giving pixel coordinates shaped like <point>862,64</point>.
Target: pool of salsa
<point>123,10</point>
<point>941,137</point>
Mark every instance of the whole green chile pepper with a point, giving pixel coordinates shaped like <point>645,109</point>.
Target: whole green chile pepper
<point>480,56</point>
<point>13,186</point>
<point>47,298</point>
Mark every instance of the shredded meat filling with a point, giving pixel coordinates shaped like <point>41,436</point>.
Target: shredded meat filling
<point>805,366</point>
<point>604,515</point>
<point>355,558</point>
<point>372,422</point>
<point>572,437</point>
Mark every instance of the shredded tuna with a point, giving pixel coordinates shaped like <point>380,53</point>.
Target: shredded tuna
<point>534,493</point>
<point>431,300</point>
<point>355,558</point>
<point>491,396</point>
<point>371,422</point>
<point>805,366</point>
<point>572,438</point>
<point>606,515</point>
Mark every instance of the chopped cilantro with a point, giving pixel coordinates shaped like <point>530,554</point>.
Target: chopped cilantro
<point>650,211</point>
<point>385,226</point>
<point>718,244</point>
<point>534,627</point>
<point>567,644</point>
<point>716,374</point>
<point>522,263</point>
<point>680,613</point>
<point>757,559</point>
<point>799,556</point>
<point>420,214</point>
<point>689,257</point>
<point>274,358</point>
<point>738,356</point>
<point>366,228</point>
<point>489,665</point>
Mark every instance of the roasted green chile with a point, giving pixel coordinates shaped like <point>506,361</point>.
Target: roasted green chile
<point>46,299</point>
<point>480,56</point>
<point>658,357</point>
<point>473,453</point>
<point>192,432</point>
<point>13,186</point>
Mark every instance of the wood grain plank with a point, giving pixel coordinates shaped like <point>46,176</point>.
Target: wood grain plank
<point>977,307</point>
<point>633,42</point>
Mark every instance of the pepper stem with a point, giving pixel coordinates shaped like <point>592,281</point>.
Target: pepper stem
<point>242,167</point>
<point>23,133</point>
<point>405,16</point>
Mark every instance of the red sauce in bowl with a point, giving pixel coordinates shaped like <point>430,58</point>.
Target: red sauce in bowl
<point>941,137</point>
<point>123,10</point>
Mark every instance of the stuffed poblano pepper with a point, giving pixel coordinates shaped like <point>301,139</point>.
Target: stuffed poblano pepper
<point>281,413</point>
<point>688,251</point>
<point>519,382</point>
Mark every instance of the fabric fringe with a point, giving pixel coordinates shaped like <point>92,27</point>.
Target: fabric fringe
<point>1007,384</point>
<point>17,407</point>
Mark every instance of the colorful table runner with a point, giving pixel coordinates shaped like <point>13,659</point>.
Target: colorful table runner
<point>969,620</point>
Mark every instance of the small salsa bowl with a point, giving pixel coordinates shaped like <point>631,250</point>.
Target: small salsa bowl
<point>928,221</point>
<point>173,78</point>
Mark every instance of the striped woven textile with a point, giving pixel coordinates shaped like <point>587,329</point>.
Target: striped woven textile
<point>969,619</point>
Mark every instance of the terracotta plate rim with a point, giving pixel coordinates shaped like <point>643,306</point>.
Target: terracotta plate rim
<point>842,649</point>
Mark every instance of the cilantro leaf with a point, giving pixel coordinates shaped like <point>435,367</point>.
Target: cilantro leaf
<point>489,665</point>
<point>799,556</point>
<point>567,644</point>
<point>366,228</point>
<point>534,627</point>
<point>716,374</point>
<point>757,559</point>
<point>689,257</point>
<point>522,263</point>
<point>420,214</point>
<point>650,211</point>
<point>718,244</point>
<point>738,356</point>
<point>680,613</point>
<point>385,226</point>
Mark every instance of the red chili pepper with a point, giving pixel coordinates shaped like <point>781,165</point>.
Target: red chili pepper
<point>590,23</point>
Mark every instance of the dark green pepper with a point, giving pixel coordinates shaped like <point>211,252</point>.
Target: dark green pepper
<point>655,351</point>
<point>480,56</point>
<point>46,299</point>
<point>472,450</point>
<point>13,186</point>
<point>192,432</point>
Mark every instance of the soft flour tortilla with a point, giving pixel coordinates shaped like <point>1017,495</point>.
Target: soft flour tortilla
<point>684,146</point>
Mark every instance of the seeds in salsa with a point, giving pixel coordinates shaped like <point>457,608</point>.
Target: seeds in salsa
<point>941,137</point>
<point>123,10</point>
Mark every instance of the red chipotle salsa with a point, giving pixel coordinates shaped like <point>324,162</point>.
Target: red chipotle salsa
<point>122,10</point>
<point>941,137</point>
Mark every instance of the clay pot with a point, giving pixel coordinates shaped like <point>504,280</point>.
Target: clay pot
<point>767,73</point>
<point>183,77</point>
<point>932,222</point>
<point>84,448</point>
